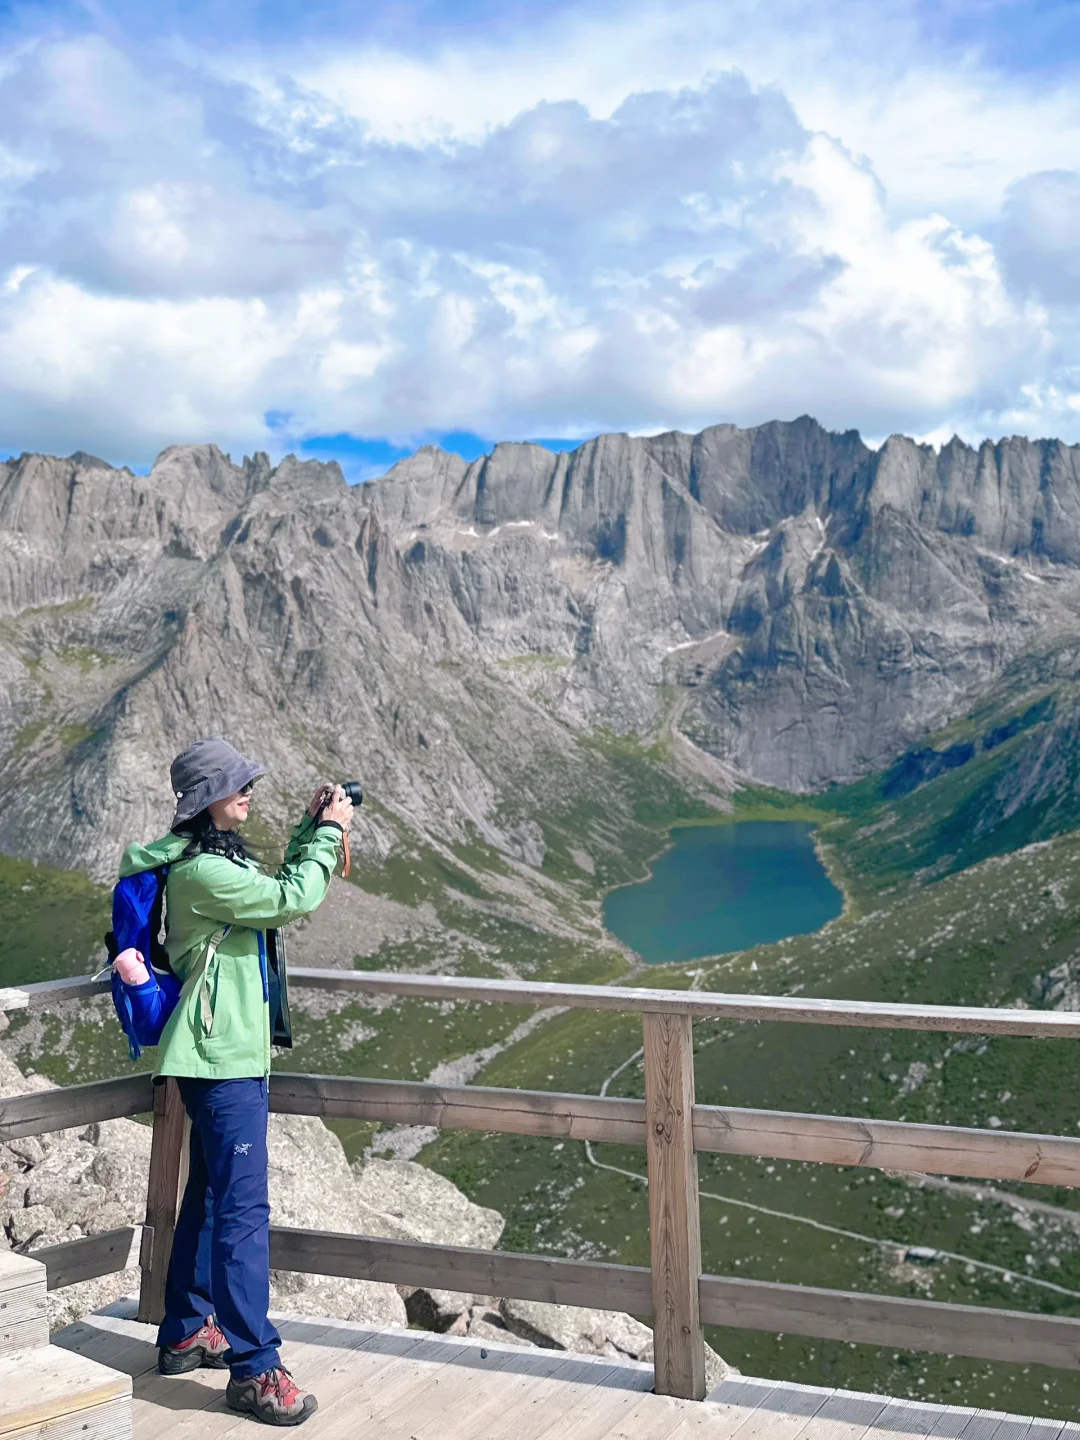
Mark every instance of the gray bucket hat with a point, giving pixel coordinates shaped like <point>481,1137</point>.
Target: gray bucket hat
<point>207,771</point>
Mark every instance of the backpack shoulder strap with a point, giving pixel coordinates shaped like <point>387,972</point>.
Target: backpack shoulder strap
<point>159,956</point>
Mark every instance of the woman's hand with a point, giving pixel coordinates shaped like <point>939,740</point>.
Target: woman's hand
<point>322,797</point>
<point>340,808</point>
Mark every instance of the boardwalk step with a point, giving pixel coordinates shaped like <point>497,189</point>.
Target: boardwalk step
<point>51,1394</point>
<point>23,1321</point>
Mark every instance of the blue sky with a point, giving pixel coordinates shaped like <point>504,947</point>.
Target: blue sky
<point>349,230</point>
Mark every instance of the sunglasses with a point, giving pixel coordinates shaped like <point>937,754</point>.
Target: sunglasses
<point>246,789</point>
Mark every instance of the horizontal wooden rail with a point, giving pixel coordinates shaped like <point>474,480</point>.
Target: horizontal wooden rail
<point>889,1145</point>
<point>699,1005</point>
<point>93,1256</point>
<point>975,1331</point>
<point>971,1330</point>
<point>461,1107</point>
<point>478,1272</point>
<point>766,1134</point>
<point>73,1106</point>
<point>44,994</point>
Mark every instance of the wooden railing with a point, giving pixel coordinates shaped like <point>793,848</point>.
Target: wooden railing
<point>673,1292</point>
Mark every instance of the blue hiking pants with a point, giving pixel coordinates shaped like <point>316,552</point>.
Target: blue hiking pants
<point>220,1261</point>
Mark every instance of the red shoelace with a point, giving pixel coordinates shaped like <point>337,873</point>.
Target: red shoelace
<point>281,1383</point>
<point>208,1335</point>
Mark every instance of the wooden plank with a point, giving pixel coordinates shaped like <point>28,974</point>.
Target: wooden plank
<point>710,1422</point>
<point>798,1009</point>
<point>461,1107</point>
<point>25,1334</point>
<point>888,1145</point>
<point>57,1384</point>
<point>844,1416</point>
<point>773,1134</point>
<point>111,1421</point>
<point>972,1330</point>
<point>1045,1429</point>
<point>44,994</point>
<point>400,1386</point>
<point>134,1355</point>
<point>716,1420</point>
<point>919,1420</point>
<point>744,1391</point>
<point>446,1267</point>
<point>23,1319</point>
<point>162,1196</point>
<point>950,1423</point>
<point>988,1424</point>
<point>674,1233</point>
<point>552,1389</point>
<point>18,1271</point>
<point>73,1106</point>
<point>477,1373</point>
<point>527,1406</point>
<point>795,1009</point>
<point>91,1256</point>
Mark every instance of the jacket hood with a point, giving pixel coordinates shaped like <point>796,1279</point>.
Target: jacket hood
<point>149,857</point>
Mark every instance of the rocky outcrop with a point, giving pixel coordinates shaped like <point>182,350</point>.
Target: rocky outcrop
<point>58,1187</point>
<point>549,1327</point>
<point>785,600</point>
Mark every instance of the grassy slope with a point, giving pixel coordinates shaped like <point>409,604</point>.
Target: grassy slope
<point>986,933</point>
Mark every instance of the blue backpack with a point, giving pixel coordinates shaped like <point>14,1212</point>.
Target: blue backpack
<point>136,923</point>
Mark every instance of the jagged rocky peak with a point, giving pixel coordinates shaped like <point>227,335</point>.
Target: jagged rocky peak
<point>794,604</point>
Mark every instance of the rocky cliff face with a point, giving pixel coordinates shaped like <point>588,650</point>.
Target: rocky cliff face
<point>780,603</point>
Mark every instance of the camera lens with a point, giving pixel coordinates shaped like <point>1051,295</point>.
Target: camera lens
<point>353,791</point>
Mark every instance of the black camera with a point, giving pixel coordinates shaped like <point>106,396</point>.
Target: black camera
<point>353,791</point>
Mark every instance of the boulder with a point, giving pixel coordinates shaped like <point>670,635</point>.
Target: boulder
<point>483,1328</point>
<point>38,1223</point>
<point>588,1332</point>
<point>312,1187</point>
<point>439,1310</point>
<point>594,1332</point>
<point>430,1207</point>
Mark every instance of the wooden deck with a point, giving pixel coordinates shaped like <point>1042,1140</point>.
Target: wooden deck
<point>411,1385</point>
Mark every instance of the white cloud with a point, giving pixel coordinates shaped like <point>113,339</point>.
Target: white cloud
<point>942,130</point>
<point>534,240</point>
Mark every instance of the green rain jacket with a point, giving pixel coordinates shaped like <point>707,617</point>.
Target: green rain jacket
<point>216,908</point>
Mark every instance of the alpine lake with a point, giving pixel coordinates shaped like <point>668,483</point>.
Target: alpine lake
<point>721,888</point>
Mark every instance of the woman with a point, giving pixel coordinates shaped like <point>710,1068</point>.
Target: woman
<point>216,1044</point>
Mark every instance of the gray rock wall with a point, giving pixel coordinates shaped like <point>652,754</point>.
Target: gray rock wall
<point>800,607</point>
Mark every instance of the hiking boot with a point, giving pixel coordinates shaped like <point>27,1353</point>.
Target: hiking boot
<point>205,1349</point>
<point>271,1397</point>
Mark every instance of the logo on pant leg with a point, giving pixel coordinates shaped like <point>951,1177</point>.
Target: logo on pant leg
<point>242,1148</point>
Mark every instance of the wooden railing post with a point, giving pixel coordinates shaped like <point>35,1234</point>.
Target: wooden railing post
<point>168,1175</point>
<point>675,1235</point>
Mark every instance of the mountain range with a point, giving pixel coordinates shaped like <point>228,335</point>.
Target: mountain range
<point>483,644</point>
